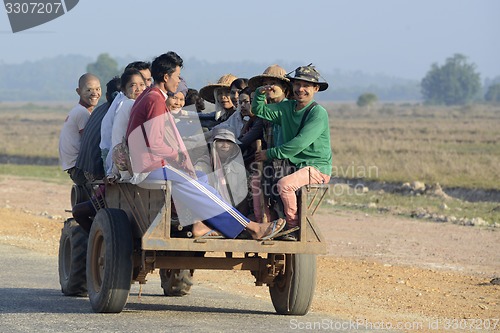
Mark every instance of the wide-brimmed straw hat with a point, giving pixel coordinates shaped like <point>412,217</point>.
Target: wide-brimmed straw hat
<point>207,92</point>
<point>274,72</point>
<point>309,74</point>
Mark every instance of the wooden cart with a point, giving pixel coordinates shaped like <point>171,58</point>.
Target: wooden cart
<point>133,234</point>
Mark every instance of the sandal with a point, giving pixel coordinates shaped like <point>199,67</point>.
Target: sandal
<point>211,234</point>
<point>274,229</point>
<point>290,234</point>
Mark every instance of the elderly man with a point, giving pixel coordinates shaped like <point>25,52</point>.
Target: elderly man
<point>89,90</point>
<point>306,138</point>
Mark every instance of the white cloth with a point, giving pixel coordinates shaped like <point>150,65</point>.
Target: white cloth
<point>107,121</point>
<point>119,130</point>
<point>70,137</point>
<point>234,123</point>
<point>236,178</point>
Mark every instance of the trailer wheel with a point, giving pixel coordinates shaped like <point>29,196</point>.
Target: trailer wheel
<point>176,282</point>
<point>293,288</point>
<point>72,259</point>
<point>109,261</point>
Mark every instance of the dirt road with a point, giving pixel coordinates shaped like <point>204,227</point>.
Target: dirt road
<point>380,268</point>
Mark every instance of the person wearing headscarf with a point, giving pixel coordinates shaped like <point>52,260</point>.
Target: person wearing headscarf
<point>220,94</point>
<point>225,169</point>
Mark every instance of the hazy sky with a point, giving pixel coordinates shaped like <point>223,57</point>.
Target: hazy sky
<point>396,37</point>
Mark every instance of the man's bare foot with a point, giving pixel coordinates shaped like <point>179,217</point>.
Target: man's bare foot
<point>200,229</point>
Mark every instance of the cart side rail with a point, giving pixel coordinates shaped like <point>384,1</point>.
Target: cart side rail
<point>149,211</point>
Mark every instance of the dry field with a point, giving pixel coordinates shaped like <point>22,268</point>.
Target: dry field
<point>454,146</point>
<point>31,130</point>
<point>457,147</point>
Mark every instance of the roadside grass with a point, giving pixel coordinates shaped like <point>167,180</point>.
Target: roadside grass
<point>343,196</point>
<point>52,174</point>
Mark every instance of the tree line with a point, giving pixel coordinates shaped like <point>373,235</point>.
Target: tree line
<point>455,82</point>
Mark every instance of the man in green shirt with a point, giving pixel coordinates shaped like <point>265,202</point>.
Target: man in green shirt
<point>306,135</point>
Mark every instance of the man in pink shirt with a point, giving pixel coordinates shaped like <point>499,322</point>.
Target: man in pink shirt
<point>157,152</point>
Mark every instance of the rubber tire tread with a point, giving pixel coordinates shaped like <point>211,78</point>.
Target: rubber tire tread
<point>73,283</point>
<point>294,295</point>
<point>117,276</point>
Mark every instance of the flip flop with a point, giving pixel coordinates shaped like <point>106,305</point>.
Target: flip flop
<point>288,232</point>
<point>277,226</point>
<point>211,234</point>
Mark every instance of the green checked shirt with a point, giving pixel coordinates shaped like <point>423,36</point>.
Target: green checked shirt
<point>310,147</point>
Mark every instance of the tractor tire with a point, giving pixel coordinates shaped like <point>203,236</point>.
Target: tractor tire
<point>109,261</point>
<point>293,288</point>
<point>72,259</point>
<point>176,282</point>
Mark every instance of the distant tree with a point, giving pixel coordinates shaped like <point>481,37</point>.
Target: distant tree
<point>493,93</point>
<point>456,82</point>
<point>105,68</point>
<point>366,99</point>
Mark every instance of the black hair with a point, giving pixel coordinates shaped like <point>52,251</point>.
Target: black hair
<point>165,64</point>
<point>139,65</point>
<point>127,75</point>
<point>112,89</point>
<point>246,91</point>
<point>191,96</point>
<point>239,84</point>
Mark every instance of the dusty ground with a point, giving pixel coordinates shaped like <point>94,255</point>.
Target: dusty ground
<point>380,268</point>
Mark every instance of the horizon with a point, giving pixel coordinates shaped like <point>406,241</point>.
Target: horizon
<point>391,38</point>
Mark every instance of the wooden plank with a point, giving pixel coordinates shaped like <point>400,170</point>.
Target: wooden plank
<point>302,205</point>
<point>232,245</point>
<point>248,264</point>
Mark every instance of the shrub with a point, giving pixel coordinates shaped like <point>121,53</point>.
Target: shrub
<point>366,99</point>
